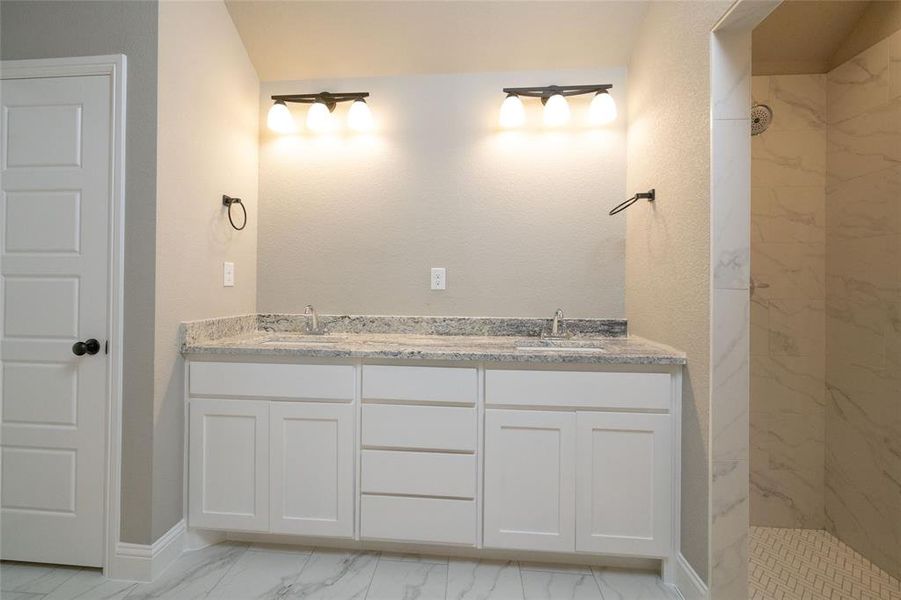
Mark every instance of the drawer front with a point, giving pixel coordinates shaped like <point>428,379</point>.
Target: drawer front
<point>578,389</point>
<point>420,384</point>
<point>311,382</point>
<point>419,474</point>
<point>419,427</point>
<point>432,520</point>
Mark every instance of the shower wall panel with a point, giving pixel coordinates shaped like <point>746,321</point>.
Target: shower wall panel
<point>788,315</point>
<point>863,304</point>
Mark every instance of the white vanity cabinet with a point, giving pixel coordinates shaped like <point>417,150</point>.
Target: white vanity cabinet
<point>579,461</point>
<point>527,458</point>
<point>271,448</point>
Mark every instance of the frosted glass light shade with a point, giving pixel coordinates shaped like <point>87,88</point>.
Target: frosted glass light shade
<point>279,119</point>
<point>513,114</point>
<point>319,118</point>
<point>602,109</point>
<point>359,117</point>
<point>556,111</point>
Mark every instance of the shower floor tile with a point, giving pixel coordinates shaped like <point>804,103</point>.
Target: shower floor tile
<point>810,564</point>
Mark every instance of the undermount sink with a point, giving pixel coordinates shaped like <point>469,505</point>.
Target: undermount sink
<point>562,345</point>
<point>289,339</point>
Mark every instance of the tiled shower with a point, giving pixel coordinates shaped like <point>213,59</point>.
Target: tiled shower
<point>826,304</point>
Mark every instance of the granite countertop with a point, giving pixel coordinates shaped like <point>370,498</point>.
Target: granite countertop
<point>593,341</point>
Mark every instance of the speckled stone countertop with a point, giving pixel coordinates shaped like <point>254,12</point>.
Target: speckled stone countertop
<point>592,341</point>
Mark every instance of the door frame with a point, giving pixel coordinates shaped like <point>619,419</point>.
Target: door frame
<point>114,67</point>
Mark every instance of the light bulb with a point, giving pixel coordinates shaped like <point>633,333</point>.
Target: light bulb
<point>279,118</point>
<point>513,114</point>
<point>319,118</point>
<point>556,111</point>
<point>602,109</point>
<point>359,117</point>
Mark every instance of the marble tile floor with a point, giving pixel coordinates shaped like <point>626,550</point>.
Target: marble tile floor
<point>812,564</point>
<point>233,571</point>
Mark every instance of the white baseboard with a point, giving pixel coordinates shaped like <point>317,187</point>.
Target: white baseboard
<point>687,581</point>
<point>142,562</point>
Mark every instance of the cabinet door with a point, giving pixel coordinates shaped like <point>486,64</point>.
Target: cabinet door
<point>624,474</point>
<point>530,480</point>
<point>312,468</point>
<point>228,479</point>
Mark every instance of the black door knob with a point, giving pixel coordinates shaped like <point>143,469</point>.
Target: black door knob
<point>90,346</point>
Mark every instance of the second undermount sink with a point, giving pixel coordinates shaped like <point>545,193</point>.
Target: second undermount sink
<point>562,345</point>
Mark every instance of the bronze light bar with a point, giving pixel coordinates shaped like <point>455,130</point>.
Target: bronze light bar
<point>547,91</point>
<point>328,98</point>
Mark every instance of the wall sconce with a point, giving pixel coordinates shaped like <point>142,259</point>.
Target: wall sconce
<point>319,117</point>
<point>556,108</point>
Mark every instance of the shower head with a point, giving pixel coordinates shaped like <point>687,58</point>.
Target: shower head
<point>761,117</point>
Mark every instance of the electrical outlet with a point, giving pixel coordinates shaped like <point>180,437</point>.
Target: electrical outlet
<point>228,274</point>
<point>439,278</point>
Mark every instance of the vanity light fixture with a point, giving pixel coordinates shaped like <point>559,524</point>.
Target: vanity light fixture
<point>556,108</point>
<point>319,117</point>
<point>513,113</point>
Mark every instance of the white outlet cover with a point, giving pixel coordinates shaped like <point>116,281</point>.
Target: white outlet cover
<point>228,274</point>
<point>439,278</point>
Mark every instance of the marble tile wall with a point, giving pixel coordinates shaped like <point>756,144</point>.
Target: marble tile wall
<point>730,265</point>
<point>863,304</point>
<point>788,254</point>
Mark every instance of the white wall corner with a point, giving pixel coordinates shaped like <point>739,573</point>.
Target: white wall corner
<point>144,562</point>
<point>687,581</point>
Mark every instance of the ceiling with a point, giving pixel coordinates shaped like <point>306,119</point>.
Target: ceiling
<point>802,36</point>
<point>328,39</point>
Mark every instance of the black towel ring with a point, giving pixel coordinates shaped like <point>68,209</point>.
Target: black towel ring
<point>229,202</point>
<point>650,195</point>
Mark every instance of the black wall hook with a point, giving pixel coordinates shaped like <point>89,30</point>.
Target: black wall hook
<point>229,202</point>
<point>649,195</point>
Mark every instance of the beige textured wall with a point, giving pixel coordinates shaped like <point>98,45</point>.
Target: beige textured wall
<point>863,304</point>
<point>207,146</point>
<point>668,242</point>
<point>788,329</point>
<point>353,223</point>
<point>57,29</point>
<point>879,21</point>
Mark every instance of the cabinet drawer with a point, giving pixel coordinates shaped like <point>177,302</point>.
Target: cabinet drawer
<point>420,384</point>
<point>578,389</point>
<point>433,520</point>
<point>313,382</point>
<point>419,474</point>
<point>419,427</point>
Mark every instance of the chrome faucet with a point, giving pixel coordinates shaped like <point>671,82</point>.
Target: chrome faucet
<point>311,318</point>
<point>558,327</point>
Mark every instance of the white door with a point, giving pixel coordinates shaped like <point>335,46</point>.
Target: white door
<point>624,474</point>
<point>56,202</point>
<point>312,468</point>
<point>228,480</point>
<point>530,479</point>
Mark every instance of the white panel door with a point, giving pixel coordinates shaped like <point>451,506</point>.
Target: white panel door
<point>54,240</point>
<point>228,480</point>
<point>312,468</point>
<point>530,480</point>
<point>624,474</point>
